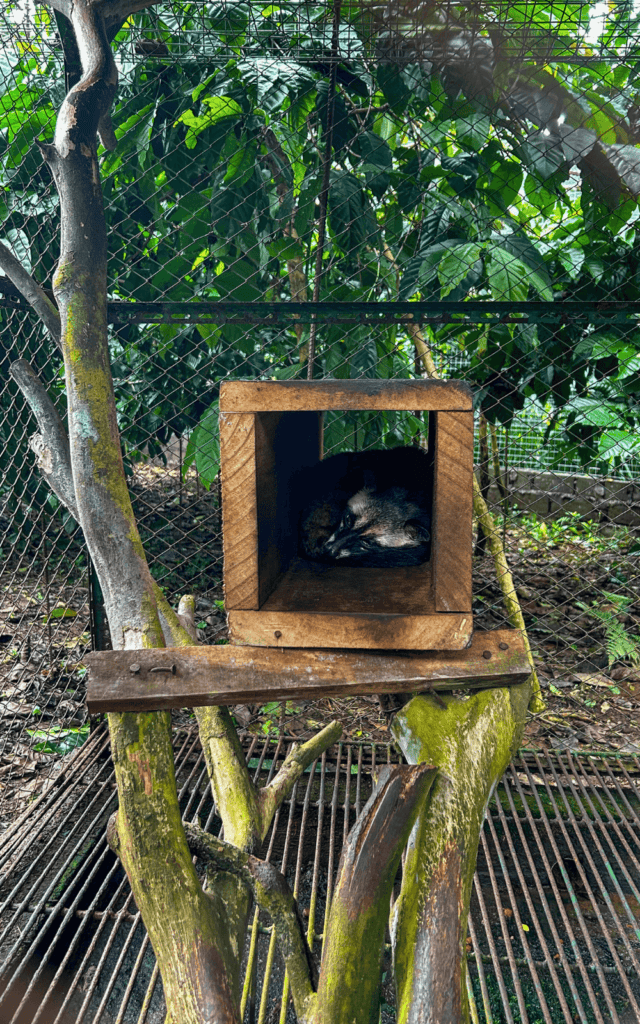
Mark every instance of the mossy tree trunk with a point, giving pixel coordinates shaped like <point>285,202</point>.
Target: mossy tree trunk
<point>471,740</point>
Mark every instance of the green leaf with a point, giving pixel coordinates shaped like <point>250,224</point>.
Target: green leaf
<point>56,740</point>
<point>242,163</point>
<point>395,91</point>
<point>542,155</point>
<point>377,160</point>
<point>239,281</point>
<point>350,216</point>
<point>435,225</point>
<point>524,250</point>
<point>539,196</point>
<point>597,413</point>
<point>285,249</point>
<point>422,269</point>
<point>364,361</point>
<point>619,443</point>
<point>508,277</point>
<point>473,131</point>
<point>504,184</point>
<point>456,264</point>
<point>572,260</point>
<point>135,119</point>
<point>219,108</point>
<point>17,241</point>
<point>61,613</point>
<point>203,447</point>
<point>594,266</point>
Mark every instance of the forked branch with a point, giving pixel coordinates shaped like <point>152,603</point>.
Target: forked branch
<point>271,892</point>
<point>32,292</point>
<point>51,445</point>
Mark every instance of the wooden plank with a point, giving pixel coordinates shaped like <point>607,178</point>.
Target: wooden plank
<point>239,510</point>
<point>272,539</point>
<point>262,396</point>
<point>233,675</point>
<point>453,501</point>
<point>313,587</point>
<point>348,629</point>
<point>285,442</point>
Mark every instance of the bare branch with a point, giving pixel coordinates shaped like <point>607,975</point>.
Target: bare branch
<point>299,758</point>
<point>32,292</point>
<point>271,893</point>
<point>113,11</point>
<point>187,615</point>
<point>52,444</point>
<point>107,133</point>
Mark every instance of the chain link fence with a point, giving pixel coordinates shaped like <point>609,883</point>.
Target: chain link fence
<point>358,191</point>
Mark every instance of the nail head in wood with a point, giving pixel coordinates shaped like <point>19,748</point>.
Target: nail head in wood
<point>503,647</point>
<point>240,674</point>
<point>486,655</point>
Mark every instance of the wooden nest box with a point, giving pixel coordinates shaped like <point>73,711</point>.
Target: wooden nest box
<point>271,430</point>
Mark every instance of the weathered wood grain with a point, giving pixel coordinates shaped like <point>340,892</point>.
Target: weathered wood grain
<point>314,587</point>
<point>233,675</point>
<point>261,396</point>
<point>351,629</point>
<point>453,501</point>
<point>239,510</point>
<point>284,443</point>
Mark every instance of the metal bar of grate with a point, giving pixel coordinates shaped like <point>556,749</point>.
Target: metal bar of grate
<point>554,932</point>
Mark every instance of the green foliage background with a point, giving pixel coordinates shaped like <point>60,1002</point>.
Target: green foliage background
<point>463,167</point>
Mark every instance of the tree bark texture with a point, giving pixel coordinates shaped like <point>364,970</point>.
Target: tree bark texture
<point>350,977</point>
<point>471,742</point>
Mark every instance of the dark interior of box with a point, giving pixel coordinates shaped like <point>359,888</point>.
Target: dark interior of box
<point>286,443</point>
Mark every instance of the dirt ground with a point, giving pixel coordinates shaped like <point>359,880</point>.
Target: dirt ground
<point>579,586</point>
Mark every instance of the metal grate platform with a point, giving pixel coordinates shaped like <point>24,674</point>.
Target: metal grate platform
<point>555,927</point>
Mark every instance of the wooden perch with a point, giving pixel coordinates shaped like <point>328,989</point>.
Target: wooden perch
<point>149,680</point>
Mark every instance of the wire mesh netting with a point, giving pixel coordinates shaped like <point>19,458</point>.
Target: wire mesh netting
<point>350,191</point>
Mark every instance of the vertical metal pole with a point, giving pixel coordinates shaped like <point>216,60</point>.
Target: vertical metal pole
<point>324,192</point>
<point>97,617</point>
<point>47,598</point>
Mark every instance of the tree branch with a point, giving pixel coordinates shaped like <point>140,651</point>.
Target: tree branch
<point>32,292</point>
<point>350,974</point>
<point>271,893</point>
<point>471,741</point>
<point>299,758</point>
<point>51,445</point>
<point>113,11</point>
<point>281,170</point>
<point>507,586</point>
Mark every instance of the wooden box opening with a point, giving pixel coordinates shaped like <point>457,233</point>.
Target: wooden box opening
<point>274,596</point>
<point>286,444</point>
